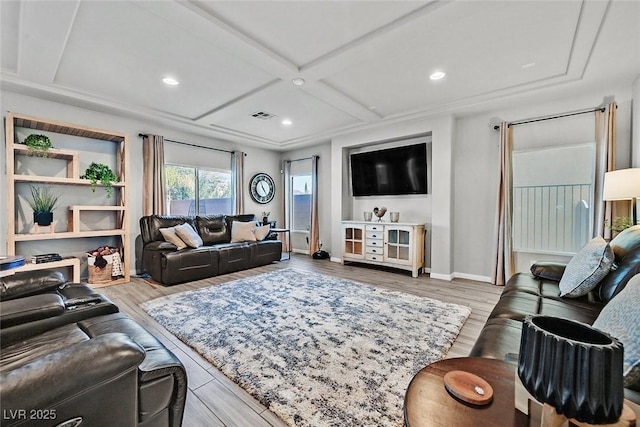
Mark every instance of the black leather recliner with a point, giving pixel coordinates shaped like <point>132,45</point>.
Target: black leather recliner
<point>67,354</point>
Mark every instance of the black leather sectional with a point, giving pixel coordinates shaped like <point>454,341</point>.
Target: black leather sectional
<point>539,293</point>
<point>168,265</point>
<point>69,356</point>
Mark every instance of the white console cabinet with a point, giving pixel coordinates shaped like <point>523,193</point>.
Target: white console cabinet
<point>390,244</point>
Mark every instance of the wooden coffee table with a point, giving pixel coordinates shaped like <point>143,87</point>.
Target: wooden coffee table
<point>428,403</point>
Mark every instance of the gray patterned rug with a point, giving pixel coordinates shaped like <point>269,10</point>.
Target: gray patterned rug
<point>315,350</point>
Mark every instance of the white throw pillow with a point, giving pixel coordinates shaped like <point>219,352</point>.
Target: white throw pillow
<point>243,231</point>
<point>587,268</point>
<point>170,236</point>
<point>189,235</point>
<point>262,232</point>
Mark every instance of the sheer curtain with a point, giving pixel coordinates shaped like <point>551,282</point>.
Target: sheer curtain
<point>237,169</point>
<point>605,162</point>
<point>314,235</point>
<point>154,199</point>
<point>503,260</point>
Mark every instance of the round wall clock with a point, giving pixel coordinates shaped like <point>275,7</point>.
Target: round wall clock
<point>262,188</point>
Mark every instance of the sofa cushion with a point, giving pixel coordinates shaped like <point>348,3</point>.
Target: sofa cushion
<point>243,231</point>
<point>188,235</point>
<point>620,318</point>
<point>212,229</point>
<point>170,236</point>
<point>587,268</point>
<point>626,249</point>
<point>548,270</point>
<point>262,232</point>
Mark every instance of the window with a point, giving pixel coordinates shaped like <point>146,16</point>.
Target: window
<point>198,191</point>
<point>301,203</point>
<point>553,186</point>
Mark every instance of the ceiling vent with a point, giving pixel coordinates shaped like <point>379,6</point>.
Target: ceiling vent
<point>263,115</point>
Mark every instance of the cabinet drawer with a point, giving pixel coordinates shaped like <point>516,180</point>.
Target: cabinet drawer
<point>374,234</point>
<point>375,242</point>
<point>375,250</point>
<point>379,228</point>
<point>374,257</point>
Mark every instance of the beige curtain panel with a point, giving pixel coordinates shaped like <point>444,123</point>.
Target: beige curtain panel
<point>605,162</point>
<point>503,260</point>
<point>238,179</point>
<point>314,234</point>
<point>154,199</point>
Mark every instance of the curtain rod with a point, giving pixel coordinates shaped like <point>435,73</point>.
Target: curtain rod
<point>556,116</point>
<point>142,135</point>
<point>304,158</point>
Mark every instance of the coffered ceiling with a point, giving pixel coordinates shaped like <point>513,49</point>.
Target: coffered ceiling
<point>363,62</point>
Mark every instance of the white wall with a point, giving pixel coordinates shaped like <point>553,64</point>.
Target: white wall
<point>257,160</point>
<point>434,209</point>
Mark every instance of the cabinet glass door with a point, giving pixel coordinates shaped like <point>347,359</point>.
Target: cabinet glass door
<point>353,240</point>
<point>398,247</point>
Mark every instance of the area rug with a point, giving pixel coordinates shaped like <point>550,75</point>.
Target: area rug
<point>316,350</point>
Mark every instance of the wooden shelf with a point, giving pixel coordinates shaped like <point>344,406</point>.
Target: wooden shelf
<point>74,214</point>
<point>67,235</point>
<point>74,263</point>
<point>96,137</point>
<point>60,180</point>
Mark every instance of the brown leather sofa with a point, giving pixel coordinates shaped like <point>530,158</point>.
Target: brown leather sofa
<point>539,293</point>
<point>168,265</point>
<point>68,356</point>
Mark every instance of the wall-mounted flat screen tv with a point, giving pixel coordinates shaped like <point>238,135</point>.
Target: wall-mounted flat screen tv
<point>394,171</point>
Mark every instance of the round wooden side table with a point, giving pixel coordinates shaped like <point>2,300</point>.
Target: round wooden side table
<point>428,403</point>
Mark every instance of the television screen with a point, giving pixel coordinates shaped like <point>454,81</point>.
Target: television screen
<point>394,171</point>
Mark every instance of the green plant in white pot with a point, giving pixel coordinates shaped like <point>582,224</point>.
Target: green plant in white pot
<point>43,202</point>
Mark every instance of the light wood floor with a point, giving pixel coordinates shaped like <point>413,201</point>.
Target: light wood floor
<point>213,400</point>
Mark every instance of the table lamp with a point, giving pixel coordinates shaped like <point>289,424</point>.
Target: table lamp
<point>572,367</point>
<point>623,184</point>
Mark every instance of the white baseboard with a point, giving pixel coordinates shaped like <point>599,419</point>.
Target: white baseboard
<point>475,277</point>
<point>447,277</point>
<point>335,259</point>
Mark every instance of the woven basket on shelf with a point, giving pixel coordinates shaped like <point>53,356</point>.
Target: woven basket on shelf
<point>98,276</point>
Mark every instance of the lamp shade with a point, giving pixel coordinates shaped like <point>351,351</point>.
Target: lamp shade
<point>573,367</point>
<point>623,184</point>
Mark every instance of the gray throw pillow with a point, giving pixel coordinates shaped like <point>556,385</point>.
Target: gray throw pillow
<point>188,235</point>
<point>587,268</point>
<point>620,318</point>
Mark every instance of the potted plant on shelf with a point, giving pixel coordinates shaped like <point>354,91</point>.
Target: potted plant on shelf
<point>38,145</point>
<point>43,202</point>
<point>103,173</point>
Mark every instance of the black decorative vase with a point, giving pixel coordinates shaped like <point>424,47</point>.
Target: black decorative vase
<point>265,220</point>
<point>573,367</point>
<point>43,218</point>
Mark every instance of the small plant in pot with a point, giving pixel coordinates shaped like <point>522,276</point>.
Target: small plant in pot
<point>43,202</point>
<point>38,145</point>
<point>265,218</point>
<point>103,173</point>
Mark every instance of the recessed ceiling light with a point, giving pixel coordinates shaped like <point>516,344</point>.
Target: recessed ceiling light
<point>297,81</point>
<point>286,122</point>
<point>170,81</point>
<point>437,75</point>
